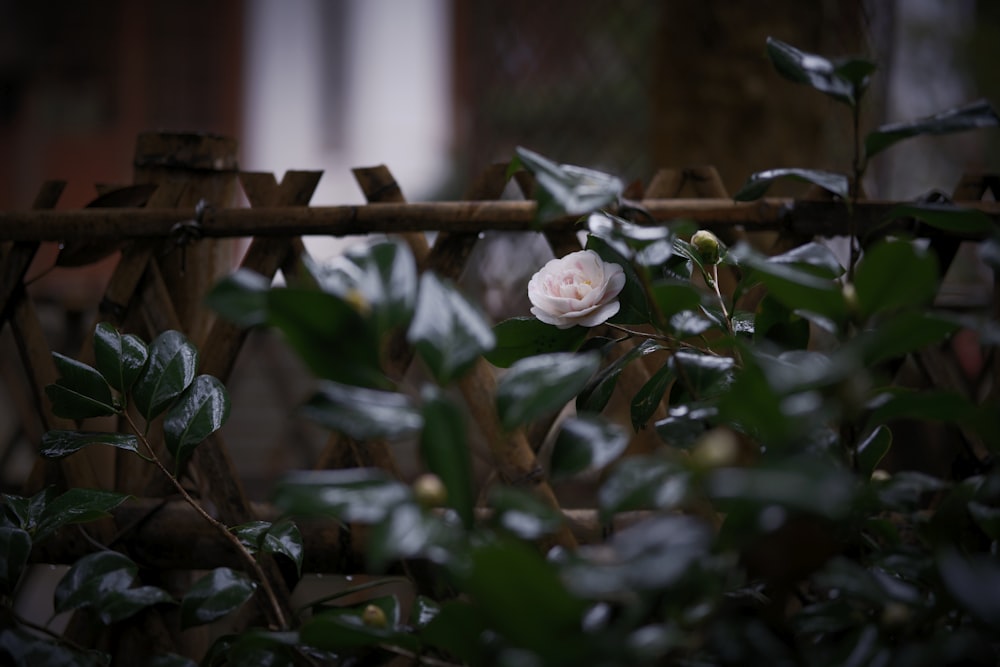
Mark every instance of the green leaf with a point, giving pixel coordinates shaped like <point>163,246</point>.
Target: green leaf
<point>650,395</point>
<point>759,183</point>
<point>424,611</point>
<point>873,449</point>
<point>120,359</point>
<point>356,495</point>
<point>447,330</point>
<point>979,114</point>
<point>815,257</point>
<point>775,322</point>
<point>814,71</point>
<point>80,392</point>
<point>457,629</point>
<point>27,512</point>
<point>797,287</point>
<point>878,283</point>
<point>644,245</point>
<point>76,506</point>
<point>170,370</point>
<point>199,412</point>
<point>521,337</point>
<point>218,593</point>
<point>407,532</point>
<point>341,629</point>
<point>586,443</point>
<point>685,424</point>
<point>571,190</point>
<point>522,514</point>
<point>674,296</point>
<point>57,444</point>
<point>643,482</point>
<point>26,648</point>
<point>329,334</point>
<point>597,392</point>
<point>386,277</point>
<point>15,546</point>
<point>700,376</point>
<point>542,385</point>
<point>901,334</point>
<point>446,453</point>
<point>285,538</point>
<point>928,405</point>
<point>968,578</point>
<point>241,297</point>
<point>947,217</point>
<point>363,414</point>
<point>634,308</point>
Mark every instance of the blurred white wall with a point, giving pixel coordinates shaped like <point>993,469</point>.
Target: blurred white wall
<point>336,84</point>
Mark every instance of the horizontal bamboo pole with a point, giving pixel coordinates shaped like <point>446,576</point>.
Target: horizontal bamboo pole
<point>170,536</point>
<point>810,218</point>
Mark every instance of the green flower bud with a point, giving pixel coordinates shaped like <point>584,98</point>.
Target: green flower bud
<point>374,617</point>
<point>430,491</point>
<point>717,448</point>
<point>708,246</point>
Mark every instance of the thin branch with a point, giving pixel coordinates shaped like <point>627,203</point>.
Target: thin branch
<point>221,528</point>
<point>47,631</point>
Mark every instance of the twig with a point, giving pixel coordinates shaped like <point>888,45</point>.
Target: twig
<point>265,583</point>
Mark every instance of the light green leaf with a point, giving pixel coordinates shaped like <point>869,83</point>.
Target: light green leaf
<point>218,593</point>
<point>363,413</point>
<point>199,412</point>
<point>447,330</point>
<point>120,359</point>
<point>57,444</point>
<point>80,392</point>
<point>542,385</point>
<point>170,370</point>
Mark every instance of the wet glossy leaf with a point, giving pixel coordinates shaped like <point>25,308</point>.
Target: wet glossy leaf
<point>634,308</point>
<point>947,217</point>
<point>674,296</point>
<point>542,385</point>
<point>353,495</point>
<point>241,297</point>
<point>970,117</point>
<point>169,371</point>
<point>406,532</point>
<point>57,443</point>
<point>873,449</point>
<point>198,413</point>
<point>642,482</point>
<point>27,512</point>
<point>597,392</point>
<point>797,287</point>
<point>878,283</point>
<point>80,392</point>
<point>759,183</point>
<point>120,358</point>
<point>685,424</point>
<point>218,593</point>
<point>15,546</point>
<point>425,610</point>
<point>447,330</point>
<point>648,398</point>
<point>813,70</point>
<point>699,376</point>
<point>345,629</point>
<point>571,190</point>
<point>446,453</point>
<point>76,506</point>
<point>282,537</point>
<point>521,337</point>
<point>330,335</point>
<point>585,443</point>
<point>815,257</point>
<point>92,577</point>
<point>646,246</point>
<point>905,490</point>
<point>522,514</point>
<point>363,413</point>
<point>386,278</point>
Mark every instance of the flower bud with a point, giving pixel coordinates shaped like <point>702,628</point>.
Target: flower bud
<point>374,617</point>
<point>880,476</point>
<point>716,449</point>
<point>430,491</point>
<point>708,246</point>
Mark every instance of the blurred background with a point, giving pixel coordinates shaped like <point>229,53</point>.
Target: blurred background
<point>439,89</point>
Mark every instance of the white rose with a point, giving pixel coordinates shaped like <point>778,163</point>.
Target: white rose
<point>578,289</point>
